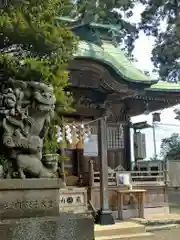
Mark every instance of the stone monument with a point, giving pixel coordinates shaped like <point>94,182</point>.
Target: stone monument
<point>29,186</point>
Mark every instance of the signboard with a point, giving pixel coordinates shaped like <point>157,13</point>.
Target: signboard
<point>73,200</point>
<point>123,179</point>
<point>91,146</point>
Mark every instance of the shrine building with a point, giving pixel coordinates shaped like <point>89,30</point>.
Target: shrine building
<point>108,90</point>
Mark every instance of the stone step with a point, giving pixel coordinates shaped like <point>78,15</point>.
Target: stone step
<point>120,228</point>
<point>158,219</point>
<point>138,236</point>
<point>162,227</point>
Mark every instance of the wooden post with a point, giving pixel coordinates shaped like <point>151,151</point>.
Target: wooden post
<point>166,181</point>
<point>127,142</point>
<point>80,158</point>
<point>104,215</point>
<point>62,165</point>
<point>91,173</point>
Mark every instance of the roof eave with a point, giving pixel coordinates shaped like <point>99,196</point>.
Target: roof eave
<point>138,81</point>
<point>163,90</point>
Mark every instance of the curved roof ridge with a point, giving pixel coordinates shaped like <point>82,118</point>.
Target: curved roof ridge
<point>113,56</point>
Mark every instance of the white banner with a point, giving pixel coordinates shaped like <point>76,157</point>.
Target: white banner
<point>91,146</point>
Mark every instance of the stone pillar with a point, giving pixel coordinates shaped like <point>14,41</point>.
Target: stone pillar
<point>104,215</point>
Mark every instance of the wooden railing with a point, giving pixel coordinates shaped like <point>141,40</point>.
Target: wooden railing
<point>111,178</point>
<point>136,177</point>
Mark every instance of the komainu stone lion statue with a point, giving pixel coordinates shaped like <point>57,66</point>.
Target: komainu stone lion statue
<point>26,109</point>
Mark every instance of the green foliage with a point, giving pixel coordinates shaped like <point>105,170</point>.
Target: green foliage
<point>177,112</point>
<point>170,147</point>
<point>63,157</point>
<point>50,142</point>
<point>161,19</point>
<point>109,12</point>
<point>35,47</point>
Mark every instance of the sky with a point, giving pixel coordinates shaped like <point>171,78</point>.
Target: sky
<point>142,53</point>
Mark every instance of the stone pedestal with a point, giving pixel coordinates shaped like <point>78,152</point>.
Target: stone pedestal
<point>29,198</point>
<point>65,227</point>
<point>33,209</point>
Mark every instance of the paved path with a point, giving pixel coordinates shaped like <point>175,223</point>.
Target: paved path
<point>174,201</point>
<point>173,234</point>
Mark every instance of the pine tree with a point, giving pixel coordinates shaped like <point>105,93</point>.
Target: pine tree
<point>161,19</point>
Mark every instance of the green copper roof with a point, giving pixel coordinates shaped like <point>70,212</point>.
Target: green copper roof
<point>115,58</point>
<point>165,86</point>
<point>112,56</point>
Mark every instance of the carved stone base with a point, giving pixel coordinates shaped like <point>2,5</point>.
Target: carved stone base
<point>29,198</point>
<point>66,226</point>
<point>37,209</point>
<point>105,218</point>
<point>39,197</point>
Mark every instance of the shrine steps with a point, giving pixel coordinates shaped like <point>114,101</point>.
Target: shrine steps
<point>157,222</point>
<point>141,236</point>
<point>122,230</point>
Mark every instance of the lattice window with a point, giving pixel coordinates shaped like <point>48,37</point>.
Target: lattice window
<point>115,137</point>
